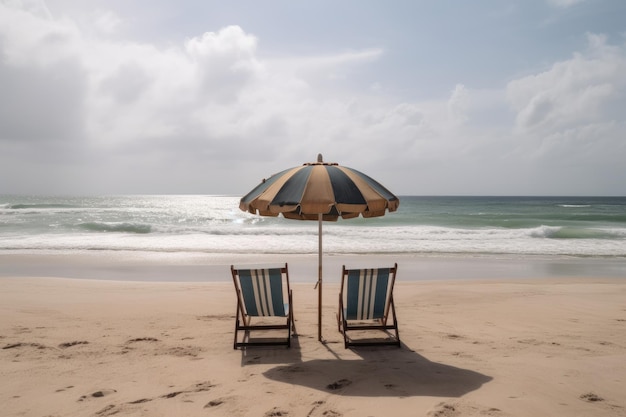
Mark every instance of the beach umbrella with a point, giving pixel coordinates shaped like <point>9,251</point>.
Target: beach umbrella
<point>319,191</point>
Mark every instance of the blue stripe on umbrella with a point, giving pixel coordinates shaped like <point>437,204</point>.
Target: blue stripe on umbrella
<point>346,191</point>
<point>293,189</point>
<point>375,185</point>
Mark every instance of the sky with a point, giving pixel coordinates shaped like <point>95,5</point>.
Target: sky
<point>446,97</point>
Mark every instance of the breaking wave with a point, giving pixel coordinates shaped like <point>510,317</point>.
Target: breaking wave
<point>38,206</point>
<point>116,227</point>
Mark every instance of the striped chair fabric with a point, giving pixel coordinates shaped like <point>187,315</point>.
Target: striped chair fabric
<point>262,291</point>
<point>366,293</point>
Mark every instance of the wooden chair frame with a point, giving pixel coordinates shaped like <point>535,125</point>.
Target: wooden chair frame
<point>244,318</point>
<point>379,321</point>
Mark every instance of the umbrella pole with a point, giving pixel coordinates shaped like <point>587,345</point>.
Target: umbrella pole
<point>319,281</point>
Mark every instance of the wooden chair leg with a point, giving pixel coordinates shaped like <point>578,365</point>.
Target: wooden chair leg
<point>236,329</point>
<point>395,322</point>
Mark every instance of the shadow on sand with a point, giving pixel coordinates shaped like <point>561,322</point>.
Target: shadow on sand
<point>379,372</point>
<point>272,355</point>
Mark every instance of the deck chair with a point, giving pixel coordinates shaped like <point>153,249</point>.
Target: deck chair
<point>263,296</point>
<point>365,300</point>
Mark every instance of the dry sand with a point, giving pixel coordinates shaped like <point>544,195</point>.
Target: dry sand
<point>510,347</point>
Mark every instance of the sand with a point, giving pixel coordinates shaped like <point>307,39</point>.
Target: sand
<point>548,346</point>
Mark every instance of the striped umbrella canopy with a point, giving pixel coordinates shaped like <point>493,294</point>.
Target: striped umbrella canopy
<point>319,191</point>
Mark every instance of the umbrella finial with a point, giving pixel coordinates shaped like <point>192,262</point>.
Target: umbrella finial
<point>319,158</point>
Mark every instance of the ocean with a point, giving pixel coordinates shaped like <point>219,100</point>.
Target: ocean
<point>208,224</point>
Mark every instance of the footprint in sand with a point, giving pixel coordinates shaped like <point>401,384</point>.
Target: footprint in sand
<point>338,384</point>
<point>172,394</point>
<point>97,394</point>
<point>74,343</point>
<point>275,412</point>
<point>183,351</point>
<point>591,397</point>
<point>199,387</point>
<point>463,409</point>
<point>109,410</point>
<point>289,369</point>
<point>20,344</point>
<point>202,386</point>
<point>141,401</point>
<point>326,413</point>
<point>143,339</point>
<point>221,400</point>
<point>444,410</point>
<point>214,403</point>
<point>316,405</point>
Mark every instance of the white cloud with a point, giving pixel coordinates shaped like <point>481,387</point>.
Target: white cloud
<point>106,22</point>
<point>575,92</point>
<point>570,125</point>
<point>458,105</point>
<point>223,62</point>
<point>34,38</point>
<point>210,97</point>
<point>208,106</point>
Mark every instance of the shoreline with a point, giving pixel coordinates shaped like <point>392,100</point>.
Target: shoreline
<point>202,267</point>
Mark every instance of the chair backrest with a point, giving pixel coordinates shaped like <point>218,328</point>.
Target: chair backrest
<point>261,290</point>
<point>368,292</point>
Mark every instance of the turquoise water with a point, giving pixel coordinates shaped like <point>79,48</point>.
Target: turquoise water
<point>563,226</point>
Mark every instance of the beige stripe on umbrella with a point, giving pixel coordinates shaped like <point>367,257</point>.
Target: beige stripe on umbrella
<point>318,194</point>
